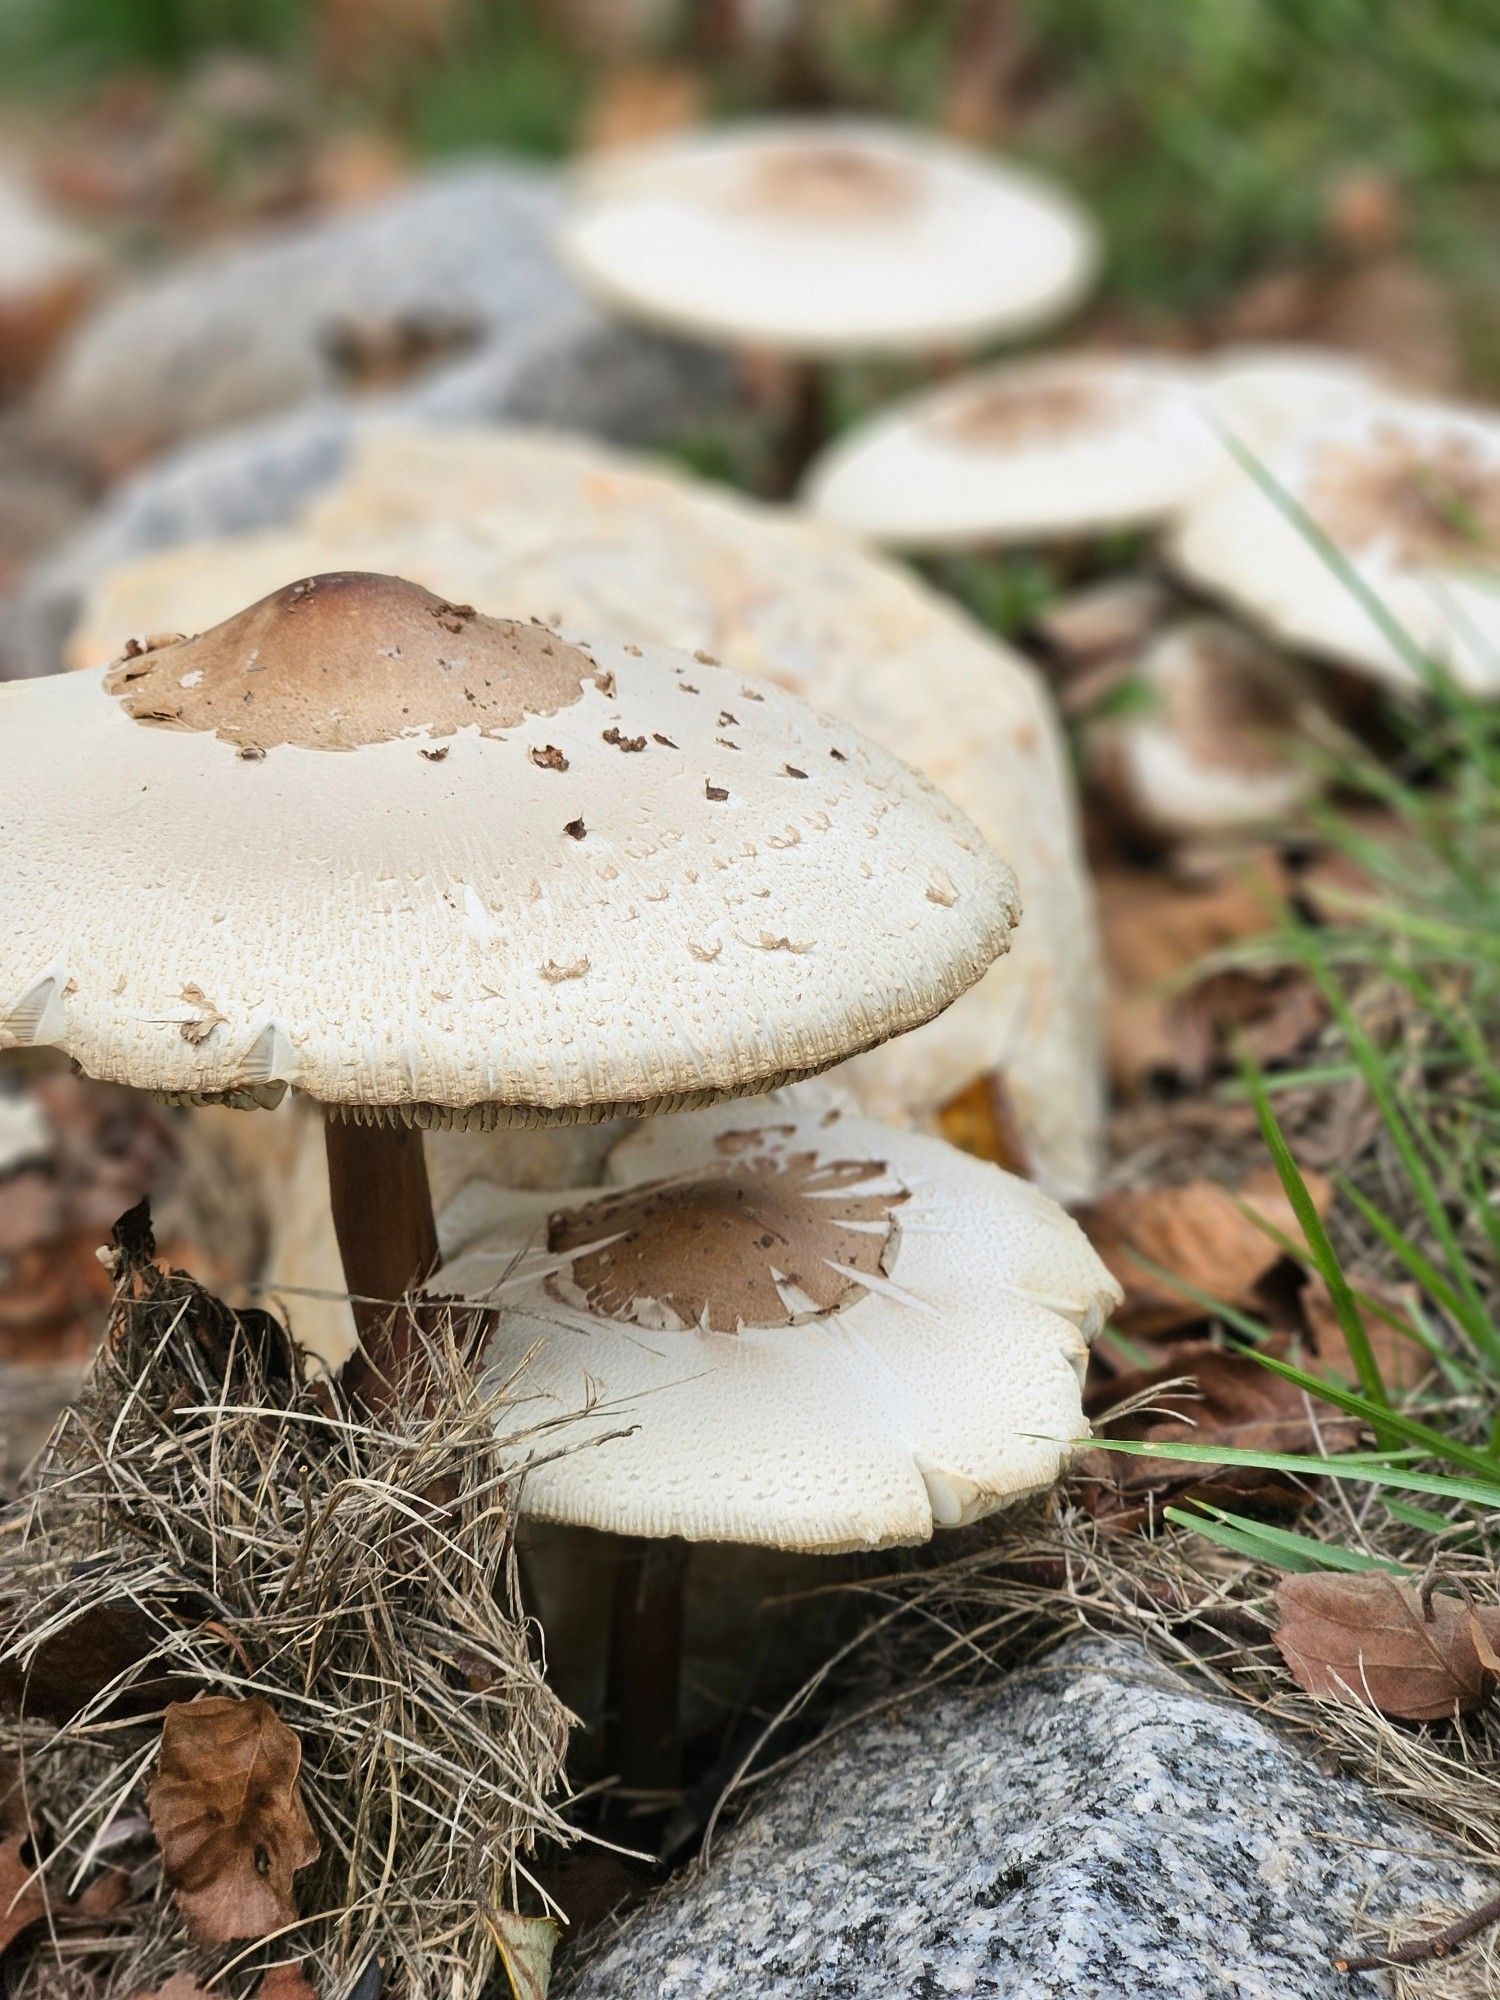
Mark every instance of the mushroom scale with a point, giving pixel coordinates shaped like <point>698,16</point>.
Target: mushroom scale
<point>784,1324</point>
<point>329,845</point>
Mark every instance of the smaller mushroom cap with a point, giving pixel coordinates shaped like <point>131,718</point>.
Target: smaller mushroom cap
<point>830,236</point>
<point>1216,745</point>
<point>1409,493</point>
<point>785,1324</point>
<point>1062,446</point>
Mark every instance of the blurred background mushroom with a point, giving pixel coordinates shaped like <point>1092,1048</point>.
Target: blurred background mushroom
<point>1408,494</point>
<point>818,239</point>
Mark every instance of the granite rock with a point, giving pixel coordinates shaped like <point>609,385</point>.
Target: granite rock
<point>1092,1829</point>
<point>229,371</point>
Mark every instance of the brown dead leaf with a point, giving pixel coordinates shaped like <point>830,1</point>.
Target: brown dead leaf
<point>1227,1399</point>
<point>23,1900</point>
<point>641,102</point>
<point>1198,1233</point>
<point>1167,1010</point>
<point>1373,1640</point>
<point>981,1120</point>
<point>181,1986</point>
<point>1403,1361</point>
<point>286,1982</point>
<point>226,1805</point>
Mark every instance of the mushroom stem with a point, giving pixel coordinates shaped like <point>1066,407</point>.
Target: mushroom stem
<point>643,1740</point>
<point>804,428</point>
<point>382,1216</point>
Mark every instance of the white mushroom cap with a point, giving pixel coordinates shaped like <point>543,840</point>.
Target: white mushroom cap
<point>814,237</point>
<point>370,844</point>
<point>1216,745</point>
<point>819,1332</point>
<point>1267,395</point>
<point>1062,446</point>
<point>1410,493</point>
<point>600,543</point>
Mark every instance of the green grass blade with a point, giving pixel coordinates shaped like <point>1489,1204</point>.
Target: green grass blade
<point>1345,1465</point>
<point>1280,1547</point>
<point>1324,1256</point>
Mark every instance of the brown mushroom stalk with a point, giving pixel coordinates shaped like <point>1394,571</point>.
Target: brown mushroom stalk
<point>382,1216</point>
<point>642,1697</point>
<point>805,428</point>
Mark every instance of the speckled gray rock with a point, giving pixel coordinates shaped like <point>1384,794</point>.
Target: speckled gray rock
<point>1091,1830</point>
<point>229,364</point>
<point>461,265</point>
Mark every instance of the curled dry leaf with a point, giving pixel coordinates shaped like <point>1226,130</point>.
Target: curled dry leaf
<point>1200,1234</point>
<point>23,1900</point>
<point>526,1948</point>
<point>1216,1398</point>
<point>226,1805</point>
<point>1374,1640</point>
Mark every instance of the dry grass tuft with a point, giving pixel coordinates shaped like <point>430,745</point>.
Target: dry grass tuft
<point>204,1523</point>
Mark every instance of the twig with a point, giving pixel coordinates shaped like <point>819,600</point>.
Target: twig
<point>1441,1944</point>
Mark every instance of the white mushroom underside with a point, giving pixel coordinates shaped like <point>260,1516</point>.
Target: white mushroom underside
<point>951,1388</point>
<point>378,928</point>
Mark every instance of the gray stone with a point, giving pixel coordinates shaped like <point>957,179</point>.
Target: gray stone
<point>1092,1829</point>
<point>244,339</point>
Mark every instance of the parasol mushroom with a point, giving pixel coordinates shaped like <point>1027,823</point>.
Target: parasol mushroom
<point>427,867</point>
<point>601,543</point>
<point>812,239</point>
<point>1060,447</point>
<point>783,1324</point>
<point>1215,746</point>
<point>1408,493</point>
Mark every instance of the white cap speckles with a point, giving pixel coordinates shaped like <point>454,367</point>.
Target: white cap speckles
<point>815,1331</point>
<point>608,545</point>
<point>1063,446</point>
<point>1409,493</point>
<point>817,237</point>
<point>362,841</point>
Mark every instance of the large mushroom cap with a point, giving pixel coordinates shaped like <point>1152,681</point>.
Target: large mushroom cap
<point>601,543</point>
<point>1066,445</point>
<point>1409,493</point>
<point>830,236</point>
<point>819,1331</point>
<point>362,841</point>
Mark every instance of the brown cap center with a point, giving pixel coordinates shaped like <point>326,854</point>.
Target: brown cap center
<point>829,182</point>
<point>1002,416</point>
<point>771,1238</point>
<point>1436,502</point>
<point>341,661</point>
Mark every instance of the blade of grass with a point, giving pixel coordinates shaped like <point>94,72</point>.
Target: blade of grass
<point>1345,1465</point>
<point>1280,1547</point>
<point>1324,1256</point>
